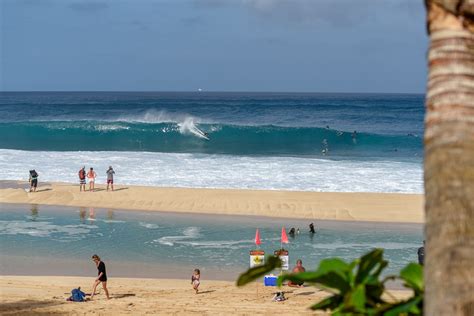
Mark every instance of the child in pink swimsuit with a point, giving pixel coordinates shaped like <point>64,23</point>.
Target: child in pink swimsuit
<point>195,280</point>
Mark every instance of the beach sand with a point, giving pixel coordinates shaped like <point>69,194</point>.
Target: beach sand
<point>46,295</point>
<point>378,207</point>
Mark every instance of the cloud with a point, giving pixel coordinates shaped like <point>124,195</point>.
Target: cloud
<point>89,5</point>
<point>338,13</point>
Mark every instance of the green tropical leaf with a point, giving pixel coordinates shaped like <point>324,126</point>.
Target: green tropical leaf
<point>412,274</point>
<point>333,264</point>
<point>271,263</point>
<point>412,306</point>
<point>367,263</point>
<point>328,303</point>
<point>355,299</point>
<point>331,280</point>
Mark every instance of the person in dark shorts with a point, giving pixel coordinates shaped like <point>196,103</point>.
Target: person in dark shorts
<point>82,179</point>
<point>110,178</point>
<point>101,276</point>
<point>421,254</point>
<point>33,180</point>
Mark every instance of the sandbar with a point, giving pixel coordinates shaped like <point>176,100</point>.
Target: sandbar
<point>354,206</point>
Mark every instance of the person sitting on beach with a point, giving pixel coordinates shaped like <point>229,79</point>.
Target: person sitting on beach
<point>110,178</point>
<point>311,229</point>
<point>102,276</point>
<point>82,179</point>
<point>195,280</point>
<point>33,180</point>
<point>298,268</point>
<point>91,175</point>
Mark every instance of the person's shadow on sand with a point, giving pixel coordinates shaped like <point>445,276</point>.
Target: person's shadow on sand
<point>205,292</point>
<point>120,189</point>
<point>41,190</point>
<point>122,295</point>
<point>25,306</point>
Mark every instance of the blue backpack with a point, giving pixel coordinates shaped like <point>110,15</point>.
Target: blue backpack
<point>77,295</point>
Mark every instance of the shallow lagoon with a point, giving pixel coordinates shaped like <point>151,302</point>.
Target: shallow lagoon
<point>55,240</point>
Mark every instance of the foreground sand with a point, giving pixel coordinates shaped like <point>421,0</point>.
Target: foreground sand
<point>379,207</point>
<point>45,295</point>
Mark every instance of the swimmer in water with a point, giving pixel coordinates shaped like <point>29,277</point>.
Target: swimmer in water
<point>292,232</point>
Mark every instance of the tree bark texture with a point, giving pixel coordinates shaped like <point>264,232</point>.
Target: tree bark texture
<point>449,159</point>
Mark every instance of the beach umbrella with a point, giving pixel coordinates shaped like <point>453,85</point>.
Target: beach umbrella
<point>258,242</point>
<point>284,237</point>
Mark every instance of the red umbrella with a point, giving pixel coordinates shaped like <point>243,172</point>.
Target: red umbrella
<point>257,238</point>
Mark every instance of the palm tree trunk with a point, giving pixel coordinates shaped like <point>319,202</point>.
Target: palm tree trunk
<point>449,159</point>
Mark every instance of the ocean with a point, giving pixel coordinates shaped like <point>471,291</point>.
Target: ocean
<point>284,141</point>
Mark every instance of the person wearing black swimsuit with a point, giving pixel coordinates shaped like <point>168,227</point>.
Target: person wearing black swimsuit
<point>101,276</point>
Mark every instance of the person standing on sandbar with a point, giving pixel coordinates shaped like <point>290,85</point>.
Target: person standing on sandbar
<point>82,179</point>
<point>91,175</point>
<point>110,178</point>
<point>102,276</point>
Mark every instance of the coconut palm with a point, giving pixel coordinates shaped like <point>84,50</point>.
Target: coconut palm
<point>449,159</point>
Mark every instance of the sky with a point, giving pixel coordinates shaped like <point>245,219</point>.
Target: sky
<point>213,45</point>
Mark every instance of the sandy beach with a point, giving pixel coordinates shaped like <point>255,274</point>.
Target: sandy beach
<point>377,207</point>
<point>45,295</point>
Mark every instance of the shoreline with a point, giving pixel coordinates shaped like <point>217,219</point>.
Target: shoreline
<point>345,206</point>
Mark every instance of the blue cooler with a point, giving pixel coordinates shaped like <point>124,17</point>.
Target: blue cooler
<point>270,280</point>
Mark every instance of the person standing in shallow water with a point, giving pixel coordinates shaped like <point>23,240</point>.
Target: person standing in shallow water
<point>101,276</point>
<point>110,178</point>
<point>91,175</point>
<point>311,229</point>
<point>421,254</point>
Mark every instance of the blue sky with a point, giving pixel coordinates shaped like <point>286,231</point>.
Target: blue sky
<point>215,45</point>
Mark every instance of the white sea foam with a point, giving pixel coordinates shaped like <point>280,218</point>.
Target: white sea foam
<point>189,127</point>
<point>154,117</point>
<point>218,171</point>
<point>188,233</point>
<point>43,229</point>
<point>219,244</point>
<point>106,128</point>
<point>148,225</point>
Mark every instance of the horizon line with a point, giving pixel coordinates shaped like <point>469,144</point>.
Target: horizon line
<point>200,92</point>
